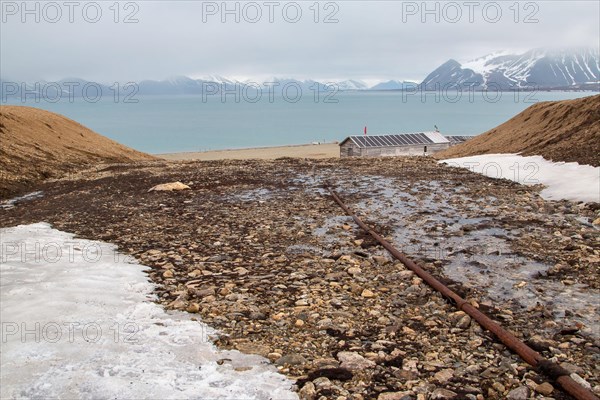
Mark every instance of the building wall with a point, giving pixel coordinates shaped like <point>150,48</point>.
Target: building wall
<point>349,149</point>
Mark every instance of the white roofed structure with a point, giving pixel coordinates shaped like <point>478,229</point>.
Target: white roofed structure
<point>414,143</point>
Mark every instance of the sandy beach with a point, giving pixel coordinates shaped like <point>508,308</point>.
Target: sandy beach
<point>325,150</point>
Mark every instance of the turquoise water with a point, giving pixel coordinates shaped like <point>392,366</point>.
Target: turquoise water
<point>163,124</point>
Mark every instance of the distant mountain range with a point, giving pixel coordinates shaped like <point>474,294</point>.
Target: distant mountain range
<point>536,69</point>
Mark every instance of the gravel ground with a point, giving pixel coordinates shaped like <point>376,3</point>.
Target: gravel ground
<point>259,250</point>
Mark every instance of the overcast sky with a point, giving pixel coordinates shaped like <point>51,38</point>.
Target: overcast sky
<point>368,40</point>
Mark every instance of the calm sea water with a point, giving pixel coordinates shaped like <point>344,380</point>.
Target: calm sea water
<point>163,124</point>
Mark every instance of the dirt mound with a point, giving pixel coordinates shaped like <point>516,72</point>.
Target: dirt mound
<point>566,130</point>
<point>38,144</point>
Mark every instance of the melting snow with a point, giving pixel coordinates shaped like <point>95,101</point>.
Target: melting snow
<point>570,181</point>
<point>78,322</point>
<point>15,200</point>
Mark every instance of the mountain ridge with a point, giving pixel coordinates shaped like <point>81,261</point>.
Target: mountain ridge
<point>534,69</point>
<point>547,69</point>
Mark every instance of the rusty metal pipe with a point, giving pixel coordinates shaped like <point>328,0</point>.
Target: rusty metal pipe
<point>532,357</point>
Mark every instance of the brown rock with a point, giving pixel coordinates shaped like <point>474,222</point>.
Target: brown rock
<point>253,348</point>
<point>443,394</point>
<point>381,260</point>
<point>291,359</point>
<point>464,322</point>
<point>545,388</point>
<point>169,187</point>
<point>394,396</point>
<point>367,294</point>
<point>520,393</point>
<point>354,361</point>
<point>444,375</point>
<point>178,305</point>
<point>307,392</point>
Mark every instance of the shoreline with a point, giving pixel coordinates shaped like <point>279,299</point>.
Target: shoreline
<point>316,151</point>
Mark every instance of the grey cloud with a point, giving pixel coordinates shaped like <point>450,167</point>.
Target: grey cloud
<point>370,41</point>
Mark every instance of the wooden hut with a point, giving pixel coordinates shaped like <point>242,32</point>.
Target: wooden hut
<point>402,144</point>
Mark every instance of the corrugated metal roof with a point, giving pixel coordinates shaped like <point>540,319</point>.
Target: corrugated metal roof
<point>395,140</point>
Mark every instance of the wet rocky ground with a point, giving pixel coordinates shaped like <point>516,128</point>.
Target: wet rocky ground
<point>259,250</point>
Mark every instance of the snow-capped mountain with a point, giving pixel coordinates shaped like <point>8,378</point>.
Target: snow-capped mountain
<point>289,86</point>
<point>173,85</point>
<point>451,73</point>
<point>219,80</point>
<point>351,84</point>
<point>394,85</point>
<point>538,68</point>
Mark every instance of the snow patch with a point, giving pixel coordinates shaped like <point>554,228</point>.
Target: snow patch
<point>570,181</point>
<point>11,203</point>
<point>483,65</point>
<point>78,322</point>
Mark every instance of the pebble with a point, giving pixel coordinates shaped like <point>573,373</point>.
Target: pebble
<point>291,359</point>
<point>169,187</point>
<point>581,381</point>
<point>540,343</point>
<point>499,387</point>
<point>322,383</point>
<point>381,260</point>
<point>367,294</point>
<point>354,361</point>
<point>520,393</point>
<point>307,392</point>
<point>464,322</point>
<point>241,271</point>
<point>544,388</point>
<point>444,375</point>
<point>277,275</point>
<point>443,394</point>
<point>354,270</point>
<point>253,348</point>
<point>394,396</point>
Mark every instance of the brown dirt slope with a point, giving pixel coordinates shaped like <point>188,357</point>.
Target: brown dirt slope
<point>566,130</point>
<point>37,144</point>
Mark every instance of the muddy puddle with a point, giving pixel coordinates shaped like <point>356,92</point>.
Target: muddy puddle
<point>434,222</point>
